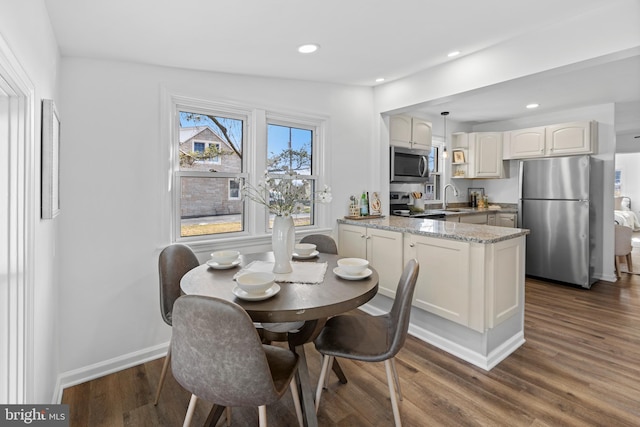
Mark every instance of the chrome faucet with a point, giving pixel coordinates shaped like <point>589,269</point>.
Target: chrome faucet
<point>444,194</point>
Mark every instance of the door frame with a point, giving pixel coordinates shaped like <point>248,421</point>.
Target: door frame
<point>17,228</point>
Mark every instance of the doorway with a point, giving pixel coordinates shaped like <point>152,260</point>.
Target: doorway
<point>17,222</point>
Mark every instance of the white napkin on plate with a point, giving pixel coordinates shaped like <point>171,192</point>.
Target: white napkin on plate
<point>303,272</point>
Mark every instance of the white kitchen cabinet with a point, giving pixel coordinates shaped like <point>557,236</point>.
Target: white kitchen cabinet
<point>485,155</point>
<point>482,153</point>
<point>506,220</point>
<point>444,281</point>
<point>523,143</point>
<point>563,139</point>
<point>474,218</point>
<point>569,138</point>
<point>456,275</point>
<point>383,249</point>
<point>410,132</point>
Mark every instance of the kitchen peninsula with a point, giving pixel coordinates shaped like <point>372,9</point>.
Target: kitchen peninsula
<point>469,299</point>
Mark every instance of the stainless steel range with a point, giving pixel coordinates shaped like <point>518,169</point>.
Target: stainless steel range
<point>399,206</point>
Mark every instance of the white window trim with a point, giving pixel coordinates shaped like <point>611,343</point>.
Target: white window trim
<point>256,231</point>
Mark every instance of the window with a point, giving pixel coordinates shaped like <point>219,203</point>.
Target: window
<point>617,189</point>
<point>289,152</point>
<point>209,198</point>
<point>207,152</point>
<point>214,153</point>
<point>432,188</point>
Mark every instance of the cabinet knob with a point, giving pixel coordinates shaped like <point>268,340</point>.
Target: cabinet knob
<point>411,245</point>
<point>362,236</point>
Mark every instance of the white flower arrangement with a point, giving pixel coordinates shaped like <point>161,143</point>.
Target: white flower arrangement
<point>284,195</point>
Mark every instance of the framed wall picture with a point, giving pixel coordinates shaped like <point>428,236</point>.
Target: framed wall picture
<point>458,156</point>
<point>50,160</point>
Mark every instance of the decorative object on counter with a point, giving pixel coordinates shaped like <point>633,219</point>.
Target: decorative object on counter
<point>458,156</point>
<point>474,195</point>
<point>354,206</point>
<point>375,206</point>
<point>284,195</point>
<point>364,204</point>
<point>459,173</point>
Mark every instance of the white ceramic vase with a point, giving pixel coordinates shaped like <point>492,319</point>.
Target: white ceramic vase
<point>282,241</point>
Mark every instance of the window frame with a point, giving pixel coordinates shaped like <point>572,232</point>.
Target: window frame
<point>255,218</point>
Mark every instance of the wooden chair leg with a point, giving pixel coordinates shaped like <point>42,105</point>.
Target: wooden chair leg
<point>296,401</point>
<point>323,372</point>
<point>392,393</point>
<point>190,410</point>
<point>617,267</point>
<point>262,415</point>
<point>165,366</point>
<point>629,263</point>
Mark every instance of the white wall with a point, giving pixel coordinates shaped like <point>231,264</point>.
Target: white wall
<point>115,204</point>
<point>629,164</point>
<point>25,27</point>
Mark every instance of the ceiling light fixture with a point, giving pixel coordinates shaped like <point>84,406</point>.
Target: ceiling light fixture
<point>379,79</point>
<point>308,48</point>
<point>444,115</point>
<point>532,106</point>
<point>453,53</point>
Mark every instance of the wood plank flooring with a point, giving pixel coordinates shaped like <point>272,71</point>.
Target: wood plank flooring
<point>580,366</point>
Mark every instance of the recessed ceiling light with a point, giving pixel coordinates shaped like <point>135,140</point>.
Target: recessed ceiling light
<point>379,79</point>
<point>531,106</point>
<point>453,53</point>
<point>308,48</point>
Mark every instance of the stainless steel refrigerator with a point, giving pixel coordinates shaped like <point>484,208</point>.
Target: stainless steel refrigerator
<point>554,206</point>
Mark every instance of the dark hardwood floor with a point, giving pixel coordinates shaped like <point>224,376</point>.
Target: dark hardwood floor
<point>580,366</point>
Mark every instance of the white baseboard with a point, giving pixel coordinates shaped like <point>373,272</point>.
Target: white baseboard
<point>97,370</point>
<point>477,359</point>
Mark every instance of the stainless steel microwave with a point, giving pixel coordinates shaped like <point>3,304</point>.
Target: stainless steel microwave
<point>409,165</point>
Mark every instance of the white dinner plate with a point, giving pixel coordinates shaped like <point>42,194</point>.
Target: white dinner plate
<point>256,297</point>
<point>311,255</point>
<point>366,273</point>
<point>217,266</point>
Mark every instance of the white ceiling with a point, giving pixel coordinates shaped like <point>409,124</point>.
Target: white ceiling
<point>360,41</point>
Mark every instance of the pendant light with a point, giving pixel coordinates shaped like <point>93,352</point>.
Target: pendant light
<point>444,115</point>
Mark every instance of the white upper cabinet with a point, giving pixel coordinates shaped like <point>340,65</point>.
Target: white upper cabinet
<point>569,138</point>
<point>522,143</point>
<point>485,155</point>
<point>555,140</point>
<point>410,132</point>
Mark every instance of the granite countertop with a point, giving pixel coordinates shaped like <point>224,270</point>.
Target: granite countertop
<point>442,229</point>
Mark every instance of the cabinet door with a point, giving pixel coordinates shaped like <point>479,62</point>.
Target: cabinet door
<point>506,220</point>
<point>400,128</point>
<point>352,241</point>
<point>524,143</point>
<point>487,155</point>
<point>444,285</point>
<point>384,252</point>
<point>421,134</point>
<point>474,218</point>
<point>568,138</point>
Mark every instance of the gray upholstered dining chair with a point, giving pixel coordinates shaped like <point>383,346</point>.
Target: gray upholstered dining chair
<point>324,243</point>
<point>174,262</point>
<point>371,338</point>
<point>218,356</point>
